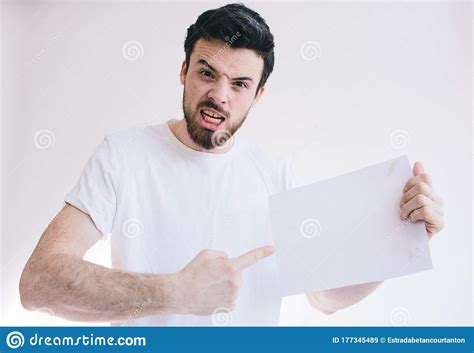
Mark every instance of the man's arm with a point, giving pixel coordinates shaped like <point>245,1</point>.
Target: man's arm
<point>57,277</point>
<point>331,300</point>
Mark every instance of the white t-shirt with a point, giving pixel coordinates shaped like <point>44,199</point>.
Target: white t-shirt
<point>162,202</point>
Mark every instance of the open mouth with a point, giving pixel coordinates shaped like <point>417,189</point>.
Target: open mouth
<point>210,118</point>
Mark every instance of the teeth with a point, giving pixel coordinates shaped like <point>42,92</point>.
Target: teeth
<point>212,120</point>
<point>208,112</point>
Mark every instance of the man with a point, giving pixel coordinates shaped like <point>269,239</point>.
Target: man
<point>186,204</point>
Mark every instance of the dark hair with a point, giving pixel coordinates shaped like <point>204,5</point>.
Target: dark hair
<point>239,27</point>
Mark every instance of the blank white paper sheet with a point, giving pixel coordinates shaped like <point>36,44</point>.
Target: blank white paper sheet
<point>347,230</point>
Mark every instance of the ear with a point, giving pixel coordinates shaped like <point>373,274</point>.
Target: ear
<point>182,74</point>
<point>257,97</point>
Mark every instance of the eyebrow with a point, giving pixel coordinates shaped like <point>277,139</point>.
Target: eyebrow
<point>205,63</point>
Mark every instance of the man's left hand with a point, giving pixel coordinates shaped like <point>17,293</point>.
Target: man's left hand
<point>421,202</point>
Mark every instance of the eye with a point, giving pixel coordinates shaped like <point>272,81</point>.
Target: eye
<point>205,73</point>
<point>241,84</point>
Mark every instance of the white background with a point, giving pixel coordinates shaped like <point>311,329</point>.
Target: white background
<point>376,68</point>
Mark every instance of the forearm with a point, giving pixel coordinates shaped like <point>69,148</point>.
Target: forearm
<point>331,300</point>
<point>81,291</point>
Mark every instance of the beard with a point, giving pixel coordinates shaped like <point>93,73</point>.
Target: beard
<point>203,137</point>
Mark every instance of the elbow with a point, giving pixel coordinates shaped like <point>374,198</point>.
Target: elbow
<point>27,297</point>
<point>318,305</point>
<point>326,311</point>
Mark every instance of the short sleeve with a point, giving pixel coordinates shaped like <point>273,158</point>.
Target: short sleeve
<point>289,178</point>
<point>96,190</point>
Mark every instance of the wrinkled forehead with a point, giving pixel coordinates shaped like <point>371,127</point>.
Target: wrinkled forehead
<point>233,62</point>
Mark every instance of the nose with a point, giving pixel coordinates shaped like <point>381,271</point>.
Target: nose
<point>219,92</point>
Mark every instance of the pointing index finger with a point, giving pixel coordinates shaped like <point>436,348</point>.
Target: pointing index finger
<point>252,257</point>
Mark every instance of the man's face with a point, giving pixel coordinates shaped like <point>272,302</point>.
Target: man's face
<point>220,87</point>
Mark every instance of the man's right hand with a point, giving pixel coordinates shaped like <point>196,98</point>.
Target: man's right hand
<point>212,280</point>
